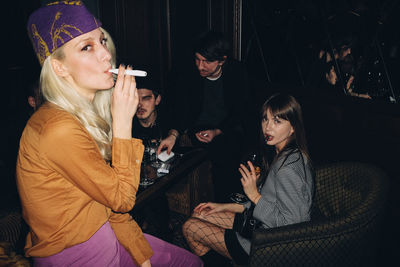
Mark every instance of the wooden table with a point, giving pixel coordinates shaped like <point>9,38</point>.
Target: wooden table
<point>188,162</point>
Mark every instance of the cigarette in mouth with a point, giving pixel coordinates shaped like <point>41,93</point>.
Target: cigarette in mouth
<point>139,73</point>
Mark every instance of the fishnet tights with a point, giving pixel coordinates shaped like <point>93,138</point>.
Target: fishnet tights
<point>207,232</point>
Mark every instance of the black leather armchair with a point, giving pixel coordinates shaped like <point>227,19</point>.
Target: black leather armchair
<point>347,210</point>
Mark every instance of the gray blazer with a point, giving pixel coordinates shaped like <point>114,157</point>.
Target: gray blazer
<point>286,195</point>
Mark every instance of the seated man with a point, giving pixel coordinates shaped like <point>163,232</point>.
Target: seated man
<point>148,126</point>
<point>210,99</point>
<point>148,123</point>
<point>341,58</point>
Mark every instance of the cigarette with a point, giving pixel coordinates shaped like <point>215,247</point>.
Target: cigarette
<point>205,134</point>
<point>139,73</point>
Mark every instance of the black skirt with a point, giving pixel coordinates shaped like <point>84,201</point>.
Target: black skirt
<point>236,250</point>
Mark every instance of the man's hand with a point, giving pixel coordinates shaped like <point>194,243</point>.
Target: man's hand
<point>350,89</point>
<point>331,76</point>
<point>208,135</point>
<point>168,143</point>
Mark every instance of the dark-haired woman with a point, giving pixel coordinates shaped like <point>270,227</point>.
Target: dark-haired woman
<point>281,195</point>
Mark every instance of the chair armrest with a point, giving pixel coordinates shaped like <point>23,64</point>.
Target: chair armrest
<point>11,227</point>
<point>310,230</point>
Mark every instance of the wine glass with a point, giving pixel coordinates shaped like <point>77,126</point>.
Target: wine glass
<point>154,144</point>
<point>144,179</point>
<point>146,152</point>
<point>255,160</point>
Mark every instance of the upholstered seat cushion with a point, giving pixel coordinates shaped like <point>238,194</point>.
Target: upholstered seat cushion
<point>345,223</point>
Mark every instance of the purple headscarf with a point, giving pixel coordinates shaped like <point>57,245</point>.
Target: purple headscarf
<point>52,26</point>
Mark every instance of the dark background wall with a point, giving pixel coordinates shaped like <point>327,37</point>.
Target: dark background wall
<point>277,40</point>
<point>156,33</point>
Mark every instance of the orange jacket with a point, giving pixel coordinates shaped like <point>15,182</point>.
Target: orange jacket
<point>67,189</point>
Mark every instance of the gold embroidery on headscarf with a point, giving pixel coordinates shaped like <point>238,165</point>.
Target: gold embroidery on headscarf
<point>55,33</point>
<point>95,21</point>
<point>42,48</point>
<point>76,3</point>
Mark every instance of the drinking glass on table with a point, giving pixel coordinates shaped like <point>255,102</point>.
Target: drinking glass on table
<point>154,144</point>
<point>144,178</point>
<point>241,198</point>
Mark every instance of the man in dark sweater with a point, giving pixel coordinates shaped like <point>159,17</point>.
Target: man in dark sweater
<point>210,100</point>
<point>148,125</point>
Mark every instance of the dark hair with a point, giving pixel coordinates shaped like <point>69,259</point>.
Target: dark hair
<point>149,82</point>
<point>286,107</point>
<point>33,90</point>
<point>211,45</point>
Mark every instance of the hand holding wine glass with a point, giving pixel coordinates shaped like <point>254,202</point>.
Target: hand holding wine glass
<point>254,160</point>
<point>249,181</point>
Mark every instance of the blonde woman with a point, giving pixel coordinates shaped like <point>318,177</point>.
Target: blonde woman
<point>78,165</point>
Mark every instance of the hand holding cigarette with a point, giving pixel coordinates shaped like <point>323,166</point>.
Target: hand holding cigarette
<point>206,136</point>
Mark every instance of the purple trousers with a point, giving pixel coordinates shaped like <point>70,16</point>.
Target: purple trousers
<point>103,249</point>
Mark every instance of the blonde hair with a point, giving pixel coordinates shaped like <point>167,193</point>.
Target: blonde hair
<point>95,116</point>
